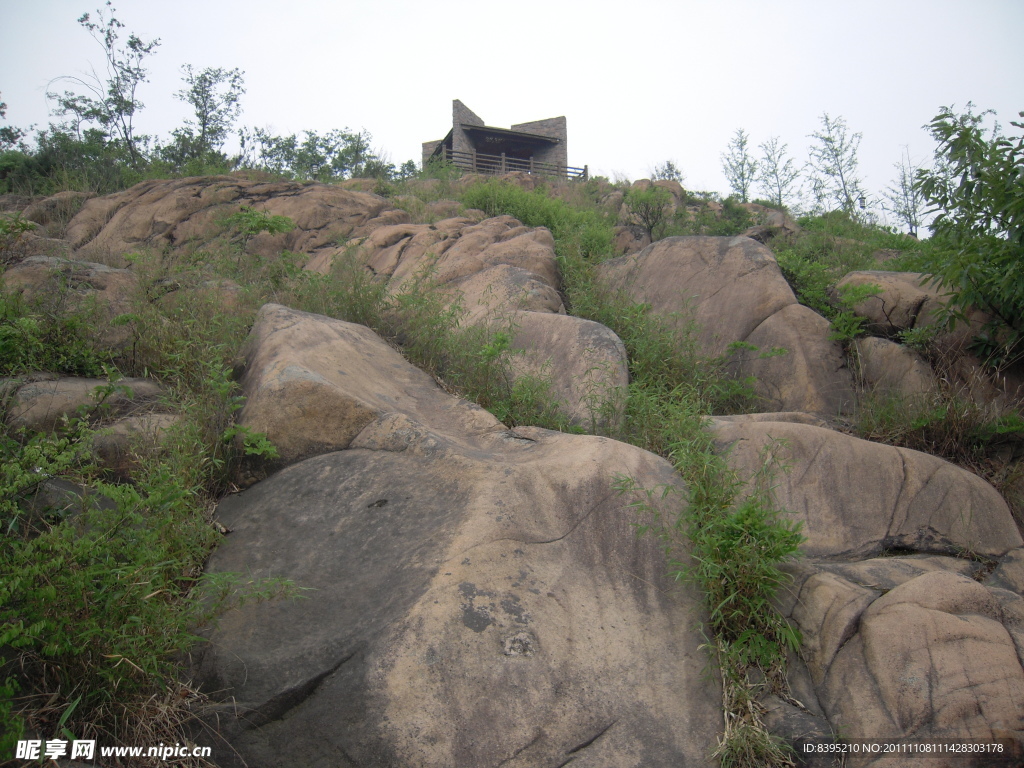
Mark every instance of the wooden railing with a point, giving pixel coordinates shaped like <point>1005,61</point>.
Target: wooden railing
<point>478,162</point>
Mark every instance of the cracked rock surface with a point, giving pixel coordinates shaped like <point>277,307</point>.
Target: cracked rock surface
<point>475,596</point>
<point>903,637</point>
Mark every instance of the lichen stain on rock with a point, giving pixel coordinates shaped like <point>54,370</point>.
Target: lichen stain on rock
<point>514,608</point>
<point>476,618</point>
<point>519,644</point>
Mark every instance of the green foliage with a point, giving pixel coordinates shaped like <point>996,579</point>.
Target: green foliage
<point>650,209</point>
<point>12,227</point>
<point>406,171</point>
<point>830,247</point>
<point>214,94</point>
<point>904,196</point>
<point>12,725</point>
<point>249,222</point>
<point>728,220</point>
<point>35,340</point>
<point>777,174</point>
<point>667,171</point>
<point>30,460</point>
<point>65,159</point>
<point>583,232</point>
<point>739,167</point>
<point>920,339</point>
<point>977,191</point>
<point>738,543</point>
<point>422,321</point>
<point>846,324</point>
<point>10,137</point>
<point>335,155</point>
<point>96,596</point>
<point>113,103</point>
<point>832,168</point>
<point>947,423</point>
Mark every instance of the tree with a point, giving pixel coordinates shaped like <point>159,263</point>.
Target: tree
<point>739,167</point>
<point>214,95</point>
<point>649,208</point>
<point>903,195</point>
<point>977,194</point>
<point>337,154</point>
<point>777,174</point>
<point>10,137</point>
<point>833,165</point>
<point>667,171</point>
<point>407,170</point>
<point>112,103</point>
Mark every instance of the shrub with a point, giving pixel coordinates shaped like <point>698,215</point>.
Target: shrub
<point>249,222</point>
<point>650,209</point>
<point>977,191</point>
<point>11,241</point>
<point>34,340</point>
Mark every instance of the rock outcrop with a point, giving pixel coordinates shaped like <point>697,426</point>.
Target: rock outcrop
<point>506,276</point>
<point>900,640</point>
<point>473,595</point>
<point>889,368</point>
<point>477,596</point>
<point>904,300</point>
<point>186,213</point>
<point>733,291</point>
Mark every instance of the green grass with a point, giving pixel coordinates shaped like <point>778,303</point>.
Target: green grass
<point>97,600</point>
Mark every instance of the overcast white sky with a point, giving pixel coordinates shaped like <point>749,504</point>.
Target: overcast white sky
<point>640,82</point>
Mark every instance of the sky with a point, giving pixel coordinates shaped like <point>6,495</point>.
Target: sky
<point>639,82</point>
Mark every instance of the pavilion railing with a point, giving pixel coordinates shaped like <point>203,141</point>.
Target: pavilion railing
<point>478,162</point>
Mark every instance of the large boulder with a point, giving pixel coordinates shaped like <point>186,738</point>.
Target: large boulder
<point>733,290</point>
<point>899,638</point>
<point>476,596</point>
<point>457,248</point>
<point>312,384</point>
<point>584,361</point>
<point>910,648</point>
<point>858,499</point>
<point>42,402</point>
<point>810,375</point>
<point>728,285</point>
<point>886,367</point>
<point>934,658</point>
<point>770,223</point>
<point>629,239</point>
<point>501,291</point>
<point>55,211</point>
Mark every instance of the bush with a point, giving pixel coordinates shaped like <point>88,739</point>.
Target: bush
<point>34,340</point>
<point>97,596</point>
<point>11,230</point>
<point>650,209</point>
<point>977,190</point>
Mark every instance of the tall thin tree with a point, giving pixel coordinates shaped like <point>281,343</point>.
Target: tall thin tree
<point>832,166</point>
<point>739,166</point>
<point>777,174</point>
